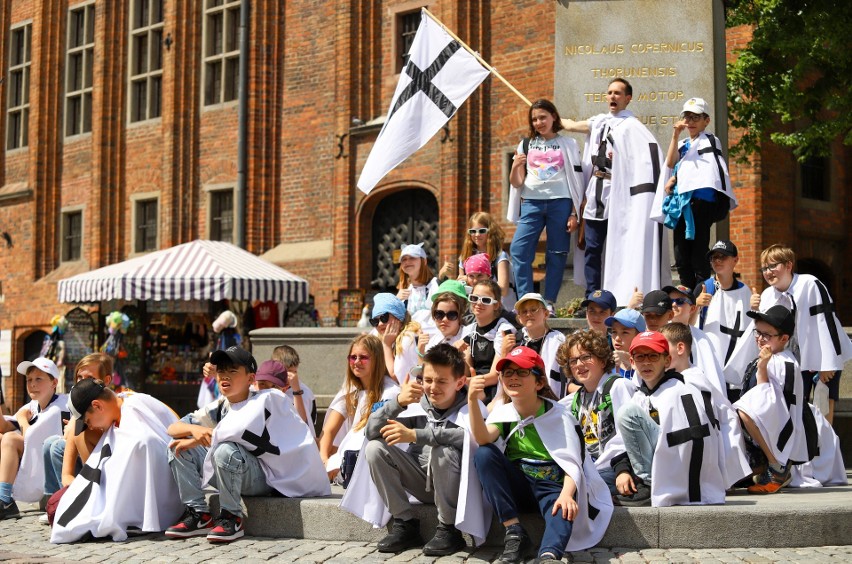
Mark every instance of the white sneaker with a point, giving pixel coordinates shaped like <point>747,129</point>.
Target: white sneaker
<point>43,520</point>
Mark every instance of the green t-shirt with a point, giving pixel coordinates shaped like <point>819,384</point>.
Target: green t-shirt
<point>529,446</point>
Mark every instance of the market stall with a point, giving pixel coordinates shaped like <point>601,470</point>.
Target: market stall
<point>171,298</point>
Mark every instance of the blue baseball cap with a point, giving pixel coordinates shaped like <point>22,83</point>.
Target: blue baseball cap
<point>629,318</point>
<point>386,302</point>
<point>603,298</point>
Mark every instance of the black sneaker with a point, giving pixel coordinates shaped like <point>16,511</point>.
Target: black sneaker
<point>9,511</point>
<point>228,528</point>
<point>548,558</point>
<point>642,497</point>
<point>447,540</point>
<point>516,545</point>
<point>191,524</point>
<point>403,535</point>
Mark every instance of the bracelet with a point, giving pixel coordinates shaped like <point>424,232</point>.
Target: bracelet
<point>299,393</point>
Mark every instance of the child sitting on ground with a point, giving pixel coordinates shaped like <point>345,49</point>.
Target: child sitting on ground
<point>430,468</point>
<point>125,483</point>
<point>770,406</point>
<point>672,444</point>
<point>240,444</point>
<point>544,463</point>
<point>21,440</point>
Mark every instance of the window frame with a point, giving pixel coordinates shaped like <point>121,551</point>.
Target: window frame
<point>65,250</point>
<point>22,110</point>
<point>398,14</point>
<point>75,125</point>
<point>213,193</point>
<point>138,201</point>
<point>149,77</point>
<point>229,9</point>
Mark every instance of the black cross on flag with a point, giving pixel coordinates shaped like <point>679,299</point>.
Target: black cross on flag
<point>696,433</point>
<point>261,442</point>
<point>438,78</point>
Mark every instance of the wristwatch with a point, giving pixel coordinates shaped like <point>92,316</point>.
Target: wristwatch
<point>299,393</point>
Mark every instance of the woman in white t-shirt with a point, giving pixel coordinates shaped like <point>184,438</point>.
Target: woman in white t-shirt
<point>366,383</point>
<point>546,171</point>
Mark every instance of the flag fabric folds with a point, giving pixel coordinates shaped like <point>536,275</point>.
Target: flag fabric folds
<point>438,77</point>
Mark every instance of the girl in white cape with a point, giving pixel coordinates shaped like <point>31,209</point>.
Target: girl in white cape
<point>532,445</point>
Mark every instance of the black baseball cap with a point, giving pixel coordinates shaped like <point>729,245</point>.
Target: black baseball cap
<point>723,246</point>
<point>81,397</point>
<point>234,356</point>
<point>656,301</point>
<point>681,289</point>
<point>779,317</point>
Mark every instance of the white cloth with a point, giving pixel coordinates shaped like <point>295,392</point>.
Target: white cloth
<point>821,347</point>
<point>596,204</point>
<point>128,476</point>
<point>268,426</point>
<point>205,392</point>
<point>733,458</point>
<point>439,338</point>
<point>309,400</point>
<point>560,434</point>
<point>637,253</point>
<point>779,423</point>
<point>29,483</point>
<point>726,316</point>
<point>346,438</point>
<point>826,468</point>
<point>413,121</point>
<point>702,166</point>
<point>679,476</point>
<point>704,356</point>
<point>405,357</point>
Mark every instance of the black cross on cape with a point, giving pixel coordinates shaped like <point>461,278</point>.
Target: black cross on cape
<point>826,309</point>
<point>261,442</point>
<point>695,433</point>
<point>421,81</point>
<point>734,333</point>
<point>92,476</point>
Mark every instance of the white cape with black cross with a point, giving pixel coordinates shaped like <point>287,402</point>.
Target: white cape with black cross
<point>730,332</point>
<point>637,253</point>
<point>686,469</point>
<point>29,484</point>
<point>819,336</point>
<point>776,409</point>
<point>562,437</point>
<point>126,482</point>
<point>269,428</point>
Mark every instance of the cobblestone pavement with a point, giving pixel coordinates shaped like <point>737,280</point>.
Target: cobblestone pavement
<point>26,540</point>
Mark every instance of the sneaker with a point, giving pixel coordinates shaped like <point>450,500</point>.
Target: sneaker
<point>228,527</point>
<point>447,540</point>
<point>551,309</point>
<point>44,520</point>
<point>548,557</point>
<point>642,497</point>
<point>9,511</point>
<point>191,524</point>
<point>772,481</point>
<point>516,545</point>
<point>403,535</point>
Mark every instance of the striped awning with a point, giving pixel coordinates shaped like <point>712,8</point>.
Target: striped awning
<point>199,270</point>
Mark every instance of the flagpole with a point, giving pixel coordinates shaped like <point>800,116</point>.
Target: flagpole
<point>478,58</point>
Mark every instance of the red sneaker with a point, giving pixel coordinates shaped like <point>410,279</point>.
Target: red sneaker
<point>191,524</point>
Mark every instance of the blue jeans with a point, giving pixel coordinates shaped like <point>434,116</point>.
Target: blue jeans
<point>508,490</point>
<point>235,473</point>
<point>640,434</point>
<point>53,450</point>
<point>595,231</point>
<point>536,215</point>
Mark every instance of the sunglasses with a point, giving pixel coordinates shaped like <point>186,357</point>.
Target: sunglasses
<point>353,358</point>
<point>477,231</point>
<point>679,301</point>
<point>484,300</point>
<point>439,315</point>
<point>383,318</point>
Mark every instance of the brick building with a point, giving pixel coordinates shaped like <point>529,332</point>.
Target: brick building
<point>120,137</point>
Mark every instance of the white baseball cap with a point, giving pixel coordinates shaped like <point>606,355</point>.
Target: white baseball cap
<point>695,106</point>
<point>413,251</point>
<point>44,364</point>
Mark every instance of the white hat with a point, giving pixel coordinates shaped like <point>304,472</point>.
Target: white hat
<point>531,296</point>
<point>696,106</point>
<point>43,364</point>
<point>413,251</point>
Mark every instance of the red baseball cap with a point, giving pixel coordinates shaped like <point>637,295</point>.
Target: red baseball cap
<point>524,357</point>
<point>654,340</point>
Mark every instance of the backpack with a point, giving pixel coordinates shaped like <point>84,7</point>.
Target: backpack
<point>607,398</point>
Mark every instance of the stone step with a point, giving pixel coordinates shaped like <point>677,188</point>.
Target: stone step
<point>791,518</point>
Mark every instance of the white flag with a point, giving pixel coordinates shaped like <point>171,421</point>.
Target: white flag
<point>438,77</point>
